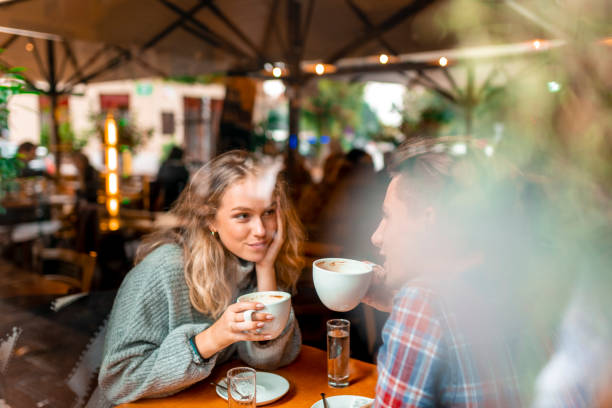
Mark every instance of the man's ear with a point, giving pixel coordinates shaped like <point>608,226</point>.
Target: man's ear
<point>430,215</point>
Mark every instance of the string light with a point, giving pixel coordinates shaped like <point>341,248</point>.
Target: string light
<point>384,58</point>
<point>113,184</point>
<point>111,131</point>
<point>113,207</point>
<point>443,61</point>
<point>277,72</point>
<point>113,224</point>
<point>112,178</point>
<point>536,44</point>
<point>319,69</point>
<point>111,158</point>
<point>29,47</point>
<point>553,86</point>
<point>458,149</point>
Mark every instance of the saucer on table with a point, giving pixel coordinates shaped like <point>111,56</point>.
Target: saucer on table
<point>270,388</point>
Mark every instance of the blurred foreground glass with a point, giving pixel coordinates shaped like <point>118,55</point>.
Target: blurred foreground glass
<point>241,387</point>
<point>338,351</point>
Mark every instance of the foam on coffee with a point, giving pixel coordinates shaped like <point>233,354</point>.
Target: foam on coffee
<point>342,266</point>
<point>265,298</point>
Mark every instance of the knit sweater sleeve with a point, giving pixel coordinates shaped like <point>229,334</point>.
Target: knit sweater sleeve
<point>147,349</point>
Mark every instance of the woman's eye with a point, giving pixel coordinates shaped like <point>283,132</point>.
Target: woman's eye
<point>270,212</point>
<point>242,216</point>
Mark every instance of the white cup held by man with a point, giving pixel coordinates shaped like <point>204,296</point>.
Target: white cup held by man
<point>341,283</point>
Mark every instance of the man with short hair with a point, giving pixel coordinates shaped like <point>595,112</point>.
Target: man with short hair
<point>26,152</point>
<point>445,343</point>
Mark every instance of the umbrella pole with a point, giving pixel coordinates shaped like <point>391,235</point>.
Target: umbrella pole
<point>53,96</point>
<point>294,81</point>
<point>294,127</point>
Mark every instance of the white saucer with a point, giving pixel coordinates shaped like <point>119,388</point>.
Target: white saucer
<point>343,401</point>
<point>270,388</point>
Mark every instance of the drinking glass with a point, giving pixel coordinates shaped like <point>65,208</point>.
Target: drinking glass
<point>338,350</point>
<point>241,387</point>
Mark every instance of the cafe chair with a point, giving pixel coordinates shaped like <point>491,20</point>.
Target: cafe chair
<point>7,347</point>
<point>69,267</point>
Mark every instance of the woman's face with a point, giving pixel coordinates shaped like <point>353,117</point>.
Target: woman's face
<point>246,219</point>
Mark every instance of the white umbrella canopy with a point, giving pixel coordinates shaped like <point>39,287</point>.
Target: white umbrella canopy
<point>99,40</point>
<point>136,38</point>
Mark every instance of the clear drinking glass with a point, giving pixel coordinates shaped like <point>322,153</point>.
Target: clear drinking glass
<point>241,387</point>
<point>338,350</point>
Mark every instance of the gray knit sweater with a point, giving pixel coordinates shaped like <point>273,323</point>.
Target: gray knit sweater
<point>147,351</point>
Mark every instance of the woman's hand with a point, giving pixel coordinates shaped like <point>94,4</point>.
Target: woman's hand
<point>266,275</point>
<point>379,296</point>
<point>231,328</point>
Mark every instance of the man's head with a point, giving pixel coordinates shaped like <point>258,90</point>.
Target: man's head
<point>176,153</point>
<point>432,208</point>
<point>26,151</point>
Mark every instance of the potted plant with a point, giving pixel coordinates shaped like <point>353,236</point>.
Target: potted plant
<point>11,83</point>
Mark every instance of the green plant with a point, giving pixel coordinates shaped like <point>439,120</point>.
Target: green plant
<point>128,134</point>
<point>425,113</point>
<point>11,83</point>
<point>166,148</point>
<point>336,107</point>
<point>67,136</point>
<point>9,170</point>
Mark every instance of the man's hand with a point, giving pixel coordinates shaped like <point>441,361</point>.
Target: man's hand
<point>379,296</point>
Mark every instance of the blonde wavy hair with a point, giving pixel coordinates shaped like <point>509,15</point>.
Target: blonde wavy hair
<point>210,269</point>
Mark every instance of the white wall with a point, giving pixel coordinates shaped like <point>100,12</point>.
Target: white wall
<point>24,119</point>
<point>145,109</point>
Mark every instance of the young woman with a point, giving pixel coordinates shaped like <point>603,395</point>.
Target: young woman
<point>174,317</point>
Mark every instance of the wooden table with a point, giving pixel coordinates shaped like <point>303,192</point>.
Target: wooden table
<point>15,281</point>
<point>307,376</point>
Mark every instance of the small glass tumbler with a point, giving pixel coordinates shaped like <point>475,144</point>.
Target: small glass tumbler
<point>241,387</point>
<point>338,352</point>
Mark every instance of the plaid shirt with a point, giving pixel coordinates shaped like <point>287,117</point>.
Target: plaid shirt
<point>425,362</point>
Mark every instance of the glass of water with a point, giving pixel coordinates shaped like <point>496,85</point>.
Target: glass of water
<point>241,387</point>
<point>338,350</point>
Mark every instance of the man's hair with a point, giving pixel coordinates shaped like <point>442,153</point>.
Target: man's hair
<point>475,196</point>
<point>176,153</point>
<point>26,147</point>
<point>435,173</point>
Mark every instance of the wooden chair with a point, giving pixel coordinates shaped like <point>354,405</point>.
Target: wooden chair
<point>72,268</point>
<point>7,348</point>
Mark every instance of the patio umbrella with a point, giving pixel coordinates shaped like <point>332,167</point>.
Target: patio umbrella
<point>67,42</point>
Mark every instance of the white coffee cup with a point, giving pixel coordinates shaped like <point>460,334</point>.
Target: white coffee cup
<point>276,303</point>
<point>341,283</point>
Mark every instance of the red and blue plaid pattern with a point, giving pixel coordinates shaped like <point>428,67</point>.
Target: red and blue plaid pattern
<point>426,362</point>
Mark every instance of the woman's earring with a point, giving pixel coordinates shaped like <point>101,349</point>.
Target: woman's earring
<point>212,233</point>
